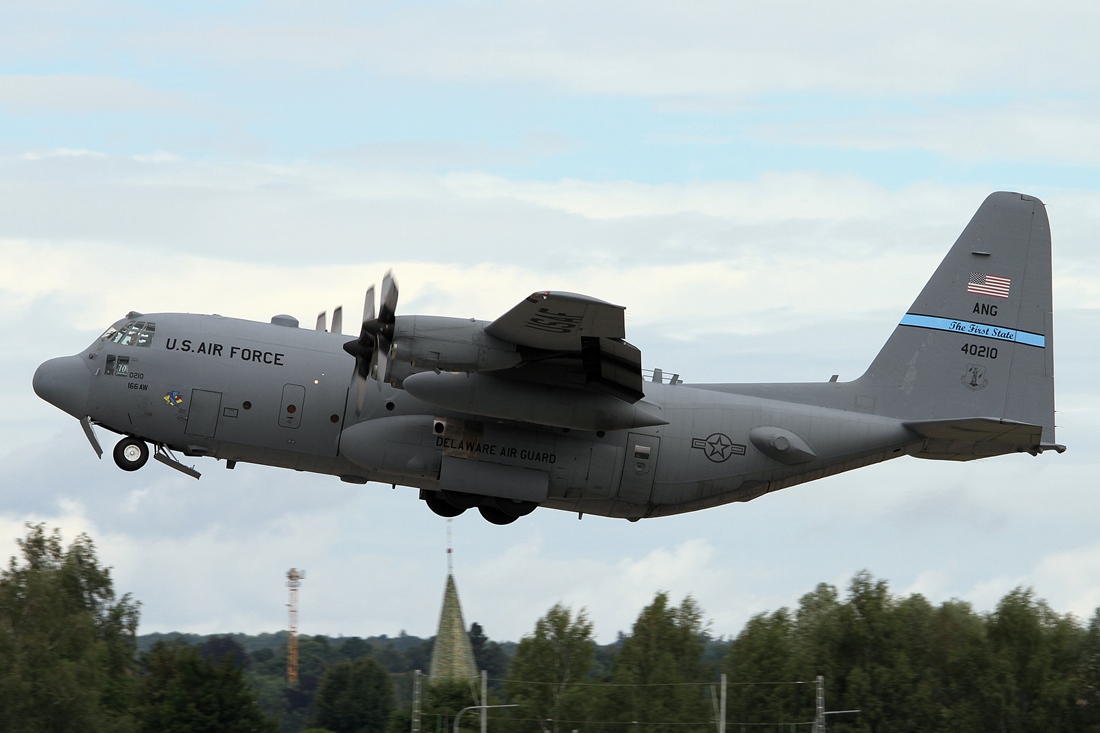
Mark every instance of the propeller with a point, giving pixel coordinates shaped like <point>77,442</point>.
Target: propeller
<point>371,350</point>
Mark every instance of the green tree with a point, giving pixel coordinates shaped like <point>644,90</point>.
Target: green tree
<point>66,643</point>
<point>654,673</point>
<point>354,697</point>
<point>488,655</point>
<point>440,702</point>
<point>548,663</point>
<point>1089,674</point>
<point>181,692</point>
<point>761,656</point>
<point>1036,656</point>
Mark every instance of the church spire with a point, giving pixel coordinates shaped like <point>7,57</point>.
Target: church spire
<point>452,655</point>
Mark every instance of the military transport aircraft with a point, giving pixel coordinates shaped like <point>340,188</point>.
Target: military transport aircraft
<point>548,405</point>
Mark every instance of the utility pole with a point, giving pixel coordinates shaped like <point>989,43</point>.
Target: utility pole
<point>294,578</point>
<point>416,702</point>
<point>819,712</point>
<point>722,707</point>
<point>484,700</point>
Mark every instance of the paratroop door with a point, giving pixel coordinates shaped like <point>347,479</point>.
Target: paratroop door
<point>639,467</point>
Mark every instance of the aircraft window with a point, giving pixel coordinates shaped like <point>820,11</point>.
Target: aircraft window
<point>117,365</point>
<point>134,333</point>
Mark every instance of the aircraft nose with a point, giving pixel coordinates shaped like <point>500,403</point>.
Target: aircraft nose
<point>63,382</point>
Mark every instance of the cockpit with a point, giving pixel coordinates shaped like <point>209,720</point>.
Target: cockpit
<point>132,333</point>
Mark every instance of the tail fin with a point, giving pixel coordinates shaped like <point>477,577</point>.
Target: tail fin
<point>976,347</point>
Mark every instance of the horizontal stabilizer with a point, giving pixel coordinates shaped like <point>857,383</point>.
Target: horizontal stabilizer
<point>965,439</point>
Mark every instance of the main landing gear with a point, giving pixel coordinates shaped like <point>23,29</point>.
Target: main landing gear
<point>131,454</point>
<point>494,509</point>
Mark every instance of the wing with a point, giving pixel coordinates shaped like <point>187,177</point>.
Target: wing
<point>557,321</point>
<point>574,341</point>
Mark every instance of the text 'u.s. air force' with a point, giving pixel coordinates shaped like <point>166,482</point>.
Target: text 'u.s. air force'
<point>243,353</point>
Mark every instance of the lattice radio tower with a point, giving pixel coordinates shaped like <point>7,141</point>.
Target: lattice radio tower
<point>294,578</point>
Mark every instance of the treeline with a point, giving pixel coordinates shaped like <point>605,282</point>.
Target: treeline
<point>70,660</point>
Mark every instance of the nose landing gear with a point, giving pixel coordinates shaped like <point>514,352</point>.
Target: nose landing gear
<point>131,454</point>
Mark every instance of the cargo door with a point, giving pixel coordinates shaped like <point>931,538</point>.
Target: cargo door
<point>639,467</point>
<point>202,415</point>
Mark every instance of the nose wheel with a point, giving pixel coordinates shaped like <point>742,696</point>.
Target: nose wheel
<point>131,454</point>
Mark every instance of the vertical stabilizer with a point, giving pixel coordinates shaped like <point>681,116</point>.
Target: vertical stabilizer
<point>978,341</point>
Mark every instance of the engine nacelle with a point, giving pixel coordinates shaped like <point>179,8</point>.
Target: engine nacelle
<point>450,345</point>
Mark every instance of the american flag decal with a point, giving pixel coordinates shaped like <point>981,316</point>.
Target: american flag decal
<point>982,284</point>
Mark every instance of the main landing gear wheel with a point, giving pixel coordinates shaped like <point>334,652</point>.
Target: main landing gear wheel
<point>131,454</point>
<point>511,507</point>
<point>442,507</point>
<point>495,516</point>
<point>461,500</point>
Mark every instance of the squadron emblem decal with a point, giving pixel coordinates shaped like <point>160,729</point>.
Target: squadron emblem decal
<point>173,399</point>
<point>718,447</point>
<point>974,379</point>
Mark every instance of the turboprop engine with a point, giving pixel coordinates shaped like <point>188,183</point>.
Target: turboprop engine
<point>450,345</point>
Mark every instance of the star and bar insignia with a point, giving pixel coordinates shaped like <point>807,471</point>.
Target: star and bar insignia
<point>718,447</point>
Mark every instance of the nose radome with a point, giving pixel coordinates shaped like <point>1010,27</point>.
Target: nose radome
<point>63,382</point>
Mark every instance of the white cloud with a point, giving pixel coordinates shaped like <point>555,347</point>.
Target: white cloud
<point>655,49</point>
<point>63,94</point>
<point>1046,131</point>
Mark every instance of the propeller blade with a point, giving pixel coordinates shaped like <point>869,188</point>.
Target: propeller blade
<point>360,391</point>
<point>321,320</point>
<point>381,366</point>
<point>387,309</point>
<point>371,349</point>
<point>338,319</point>
<point>368,306</point>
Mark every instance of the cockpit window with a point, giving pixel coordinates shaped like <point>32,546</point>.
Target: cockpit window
<point>117,365</point>
<point>134,333</point>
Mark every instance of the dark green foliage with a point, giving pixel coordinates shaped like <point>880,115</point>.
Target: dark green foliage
<point>293,707</point>
<point>354,697</point>
<point>488,656</point>
<point>66,644</point>
<point>1089,673</point>
<point>546,666</point>
<point>182,692</point>
<point>67,650</point>
<point>652,668</point>
<point>354,648</point>
<point>218,647</point>
<point>911,666</point>
<point>440,702</point>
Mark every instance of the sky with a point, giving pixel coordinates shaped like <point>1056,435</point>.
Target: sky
<point>765,187</point>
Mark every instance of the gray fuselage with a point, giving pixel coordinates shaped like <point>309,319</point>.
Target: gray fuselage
<point>279,395</point>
